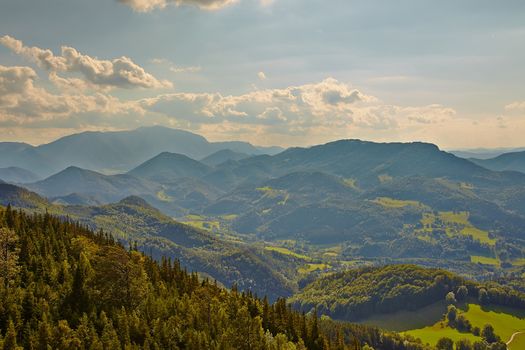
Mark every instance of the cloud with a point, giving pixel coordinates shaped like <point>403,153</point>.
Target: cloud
<point>150,5</point>
<point>120,72</point>
<point>261,76</point>
<point>265,3</point>
<point>24,103</point>
<point>312,111</point>
<point>517,106</point>
<point>295,115</point>
<point>190,69</point>
<point>175,68</point>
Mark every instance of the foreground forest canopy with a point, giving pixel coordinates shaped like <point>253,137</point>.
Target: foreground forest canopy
<point>65,287</point>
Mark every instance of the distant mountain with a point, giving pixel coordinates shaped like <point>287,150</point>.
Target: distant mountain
<point>103,188</point>
<point>223,156</point>
<point>514,161</point>
<point>18,175</point>
<point>20,197</point>
<point>111,152</point>
<point>75,199</point>
<point>368,164</point>
<point>484,153</point>
<point>167,167</point>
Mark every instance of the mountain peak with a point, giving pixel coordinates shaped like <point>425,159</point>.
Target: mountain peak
<point>135,201</point>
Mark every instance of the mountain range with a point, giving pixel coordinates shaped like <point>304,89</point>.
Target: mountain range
<point>111,152</point>
<point>282,218</point>
<point>513,161</point>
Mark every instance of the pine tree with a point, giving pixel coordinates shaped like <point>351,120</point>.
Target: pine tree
<point>10,337</point>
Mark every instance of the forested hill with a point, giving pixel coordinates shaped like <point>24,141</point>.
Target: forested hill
<point>358,293</point>
<point>65,287</point>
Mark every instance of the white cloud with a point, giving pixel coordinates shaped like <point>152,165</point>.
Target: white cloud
<point>190,69</point>
<point>517,106</point>
<point>175,68</point>
<point>120,72</point>
<point>261,76</point>
<point>309,112</point>
<point>150,5</point>
<point>24,103</point>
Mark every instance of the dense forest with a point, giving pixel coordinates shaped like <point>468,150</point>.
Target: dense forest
<point>65,287</point>
<point>357,293</point>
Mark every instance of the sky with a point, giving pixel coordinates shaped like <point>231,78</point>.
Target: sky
<point>281,72</point>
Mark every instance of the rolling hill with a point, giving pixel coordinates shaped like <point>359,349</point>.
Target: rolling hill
<point>514,161</point>
<point>133,220</point>
<point>167,167</point>
<point>223,156</point>
<point>104,188</point>
<point>414,300</point>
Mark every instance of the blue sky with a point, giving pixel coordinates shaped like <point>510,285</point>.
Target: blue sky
<point>283,72</point>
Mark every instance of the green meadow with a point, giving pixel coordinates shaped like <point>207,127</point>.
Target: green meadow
<point>286,251</point>
<point>427,323</point>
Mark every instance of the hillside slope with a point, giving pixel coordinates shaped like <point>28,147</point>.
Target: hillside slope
<point>70,288</point>
<point>514,161</point>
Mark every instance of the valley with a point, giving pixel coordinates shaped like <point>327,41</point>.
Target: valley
<point>279,224</point>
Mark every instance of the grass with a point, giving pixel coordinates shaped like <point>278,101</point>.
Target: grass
<point>518,343</point>
<point>426,323</point>
<point>194,217</point>
<point>286,251</point>
<point>308,268</point>
<point>455,223</point>
<point>204,225</point>
<point>384,178</point>
<point>395,203</point>
<point>466,186</point>
<point>162,196</point>
<point>269,192</point>
<point>349,182</point>
<point>432,334</point>
<point>460,218</point>
<point>519,262</point>
<point>504,320</point>
<point>476,259</point>
<point>477,234</point>
<point>283,202</point>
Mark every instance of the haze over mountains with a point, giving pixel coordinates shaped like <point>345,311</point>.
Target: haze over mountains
<point>111,152</point>
<point>513,161</point>
<point>275,224</point>
<point>368,197</point>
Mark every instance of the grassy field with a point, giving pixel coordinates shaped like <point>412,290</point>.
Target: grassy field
<point>395,203</point>
<point>161,195</point>
<point>426,323</point>
<point>476,259</point>
<point>349,182</point>
<point>519,262</point>
<point>455,223</point>
<point>204,225</point>
<point>477,234</point>
<point>432,334</point>
<point>505,321</point>
<point>312,267</point>
<point>518,343</point>
<point>286,251</point>
<point>384,178</point>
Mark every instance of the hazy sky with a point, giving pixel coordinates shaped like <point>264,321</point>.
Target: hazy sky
<point>281,72</point>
